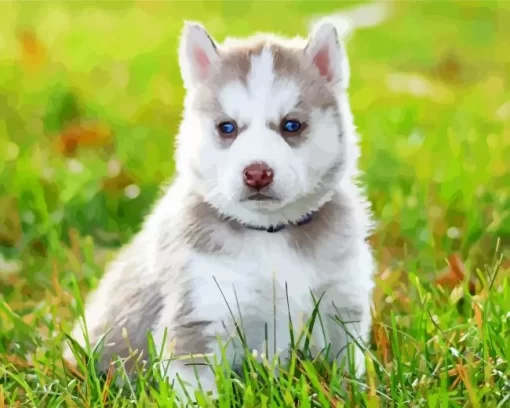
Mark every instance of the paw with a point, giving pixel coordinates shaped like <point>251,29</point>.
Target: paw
<point>187,378</point>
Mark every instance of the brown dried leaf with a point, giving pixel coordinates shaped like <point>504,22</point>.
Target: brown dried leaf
<point>453,275</point>
<point>18,362</point>
<point>464,376</point>
<point>107,384</point>
<point>450,68</point>
<point>118,182</point>
<point>382,342</point>
<point>10,228</point>
<point>89,135</point>
<point>478,315</point>
<point>33,52</point>
<point>71,368</point>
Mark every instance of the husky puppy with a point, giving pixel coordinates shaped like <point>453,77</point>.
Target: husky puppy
<point>264,212</point>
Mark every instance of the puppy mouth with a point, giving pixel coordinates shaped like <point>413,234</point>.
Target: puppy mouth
<point>259,197</point>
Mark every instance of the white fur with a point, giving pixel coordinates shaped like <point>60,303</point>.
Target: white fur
<point>325,40</point>
<point>253,288</point>
<point>267,263</point>
<point>253,280</point>
<point>297,171</point>
<point>196,39</point>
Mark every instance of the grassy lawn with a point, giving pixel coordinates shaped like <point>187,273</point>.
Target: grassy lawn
<point>90,99</point>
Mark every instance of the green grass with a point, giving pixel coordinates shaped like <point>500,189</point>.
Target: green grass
<point>436,164</point>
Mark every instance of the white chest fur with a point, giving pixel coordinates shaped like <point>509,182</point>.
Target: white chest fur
<point>261,288</point>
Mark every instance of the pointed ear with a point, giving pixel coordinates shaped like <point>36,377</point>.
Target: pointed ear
<point>197,54</point>
<point>326,52</point>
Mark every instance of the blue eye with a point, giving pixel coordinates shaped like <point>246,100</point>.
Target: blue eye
<point>291,126</point>
<point>227,128</point>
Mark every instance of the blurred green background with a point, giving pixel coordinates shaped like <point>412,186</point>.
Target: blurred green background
<point>91,97</point>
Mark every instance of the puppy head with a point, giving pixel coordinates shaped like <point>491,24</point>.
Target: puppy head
<point>262,132</point>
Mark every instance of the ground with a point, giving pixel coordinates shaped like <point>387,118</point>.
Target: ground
<point>90,99</point>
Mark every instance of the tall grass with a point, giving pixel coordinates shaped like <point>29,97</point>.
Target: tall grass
<point>90,99</point>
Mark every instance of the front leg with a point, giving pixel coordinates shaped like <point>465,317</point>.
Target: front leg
<point>189,374</point>
<point>348,328</point>
<point>345,312</point>
<point>193,351</point>
<point>336,324</point>
<point>196,349</point>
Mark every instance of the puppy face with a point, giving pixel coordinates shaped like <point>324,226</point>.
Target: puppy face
<point>262,130</point>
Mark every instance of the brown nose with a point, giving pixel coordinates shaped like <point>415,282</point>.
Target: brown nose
<point>258,175</point>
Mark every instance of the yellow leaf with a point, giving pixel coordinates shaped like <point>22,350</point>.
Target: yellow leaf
<point>33,53</point>
<point>478,315</point>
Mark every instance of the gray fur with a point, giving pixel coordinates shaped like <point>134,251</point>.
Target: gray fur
<point>149,286</point>
<point>191,332</point>
<point>235,65</point>
<point>136,311</point>
<point>306,237</point>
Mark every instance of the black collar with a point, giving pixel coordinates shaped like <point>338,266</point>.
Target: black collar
<point>275,228</point>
